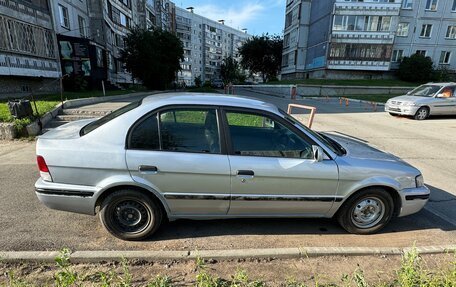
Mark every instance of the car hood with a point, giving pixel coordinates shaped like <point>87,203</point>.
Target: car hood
<point>67,131</point>
<point>359,149</point>
<point>413,99</point>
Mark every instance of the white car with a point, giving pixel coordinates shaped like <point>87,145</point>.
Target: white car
<point>424,101</point>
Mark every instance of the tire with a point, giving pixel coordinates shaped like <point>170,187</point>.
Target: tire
<point>130,215</point>
<point>367,211</point>
<point>421,114</point>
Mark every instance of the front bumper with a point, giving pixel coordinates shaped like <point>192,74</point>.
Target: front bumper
<point>66,197</point>
<point>413,200</point>
<point>401,110</point>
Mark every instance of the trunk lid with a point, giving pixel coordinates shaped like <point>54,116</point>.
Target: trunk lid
<point>67,131</point>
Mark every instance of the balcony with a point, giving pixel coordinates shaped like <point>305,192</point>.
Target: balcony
<point>362,37</point>
<point>367,8</point>
<point>358,65</point>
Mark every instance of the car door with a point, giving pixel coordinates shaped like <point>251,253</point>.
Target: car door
<point>272,168</point>
<point>445,102</point>
<point>178,152</point>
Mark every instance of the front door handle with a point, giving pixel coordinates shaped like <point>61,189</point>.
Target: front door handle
<point>148,169</point>
<point>245,172</point>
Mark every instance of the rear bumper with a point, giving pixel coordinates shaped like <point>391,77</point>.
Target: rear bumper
<point>413,200</point>
<point>401,110</point>
<point>66,197</point>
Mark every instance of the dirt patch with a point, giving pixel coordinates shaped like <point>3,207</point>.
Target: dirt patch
<point>272,272</point>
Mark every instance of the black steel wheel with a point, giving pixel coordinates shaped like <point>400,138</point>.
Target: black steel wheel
<point>130,215</point>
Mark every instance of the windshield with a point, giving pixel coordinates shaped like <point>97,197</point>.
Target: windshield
<point>425,91</point>
<point>331,144</point>
<point>101,121</point>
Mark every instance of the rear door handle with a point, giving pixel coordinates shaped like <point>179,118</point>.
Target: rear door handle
<point>148,169</point>
<point>245,172</point>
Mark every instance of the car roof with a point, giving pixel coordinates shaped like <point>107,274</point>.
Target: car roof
<point>441,84</point>
<point>213,99</point>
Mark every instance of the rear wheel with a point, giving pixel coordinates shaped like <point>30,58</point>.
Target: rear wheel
<point>421,114</point>
<point>130,215</point>
<point>367,212</point>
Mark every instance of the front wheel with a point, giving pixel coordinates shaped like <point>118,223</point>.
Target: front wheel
<point>130,215</point>
<point>421,114</point>
<point>366,212</point>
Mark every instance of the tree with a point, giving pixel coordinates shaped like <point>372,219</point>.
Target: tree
<point>230,71</point>
<point>153,56</point>
<point>416,68</point>
<point>262,54</point>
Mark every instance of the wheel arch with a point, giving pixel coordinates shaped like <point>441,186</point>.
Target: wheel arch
<point>151,194</point>
<point>397,201</point>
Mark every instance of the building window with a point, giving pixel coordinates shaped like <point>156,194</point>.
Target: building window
<point>453,9</point>
<point>402,29</point>
<point>451,32</point>
<point>431,5</point>
<point>360,52</point>
<point>397,56</point>
<point>407,4</point>
<point>361,23</point>
<point>64,19</point>
<point>445,57</point>
<point>421,52</point>
<point>426,31</point>
<point>82,26</point>
<point>123,20</point>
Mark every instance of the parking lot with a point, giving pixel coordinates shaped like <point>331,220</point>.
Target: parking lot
<point>429,145</point>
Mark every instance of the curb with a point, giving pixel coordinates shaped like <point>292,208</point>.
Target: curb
<point>281,253</point>
<point>348,98</point>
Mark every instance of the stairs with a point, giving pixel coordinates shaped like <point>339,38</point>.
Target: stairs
<point>69,115</point>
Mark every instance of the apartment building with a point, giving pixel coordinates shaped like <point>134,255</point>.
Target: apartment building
<point>427,27</point>
<point>327,38</point>
<point>206,43</point>
<point>28,50</point>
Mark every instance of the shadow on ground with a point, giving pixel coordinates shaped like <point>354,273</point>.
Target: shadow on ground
<point>182,229</point>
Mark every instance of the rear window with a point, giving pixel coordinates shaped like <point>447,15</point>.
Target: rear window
<point>101,121</point>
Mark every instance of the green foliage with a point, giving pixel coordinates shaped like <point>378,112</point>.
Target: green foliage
<point>231,72</point>
<point>262,54</point>
<point>416,68</point>
<point>153,56</point>
<point>125,280</point>
<point>15,282</point>
<point>207,84</point>
<point>442,74</point>
<point>161,281</point>
<point>20,124</point>
<point>198,81</point>
<point>64,276</point>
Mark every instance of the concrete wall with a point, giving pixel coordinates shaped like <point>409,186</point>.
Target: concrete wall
<point>17,87</point>
<point>284,91</point>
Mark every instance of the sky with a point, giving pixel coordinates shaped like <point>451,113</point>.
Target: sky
<point>266,16</point>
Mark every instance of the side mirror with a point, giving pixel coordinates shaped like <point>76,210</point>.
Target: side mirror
<point>318,153</point>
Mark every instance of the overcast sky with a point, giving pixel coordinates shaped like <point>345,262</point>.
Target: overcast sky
<point>267,16</point>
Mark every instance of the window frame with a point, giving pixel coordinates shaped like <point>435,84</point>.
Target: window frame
<point>425,30</point>
<point>280,120</point>
<point>451,30</point>
<point>430,2</point>
<point>406,27</point>
<point>66,20</point>
<point>406,3</point>
<point>156,112</point>
<point>445,53</point>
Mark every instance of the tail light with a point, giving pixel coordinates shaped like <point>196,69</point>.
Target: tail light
<point>44,170</point>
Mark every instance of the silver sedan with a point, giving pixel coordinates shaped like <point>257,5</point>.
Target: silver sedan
<point>424,101</point>
<point>206,156</point>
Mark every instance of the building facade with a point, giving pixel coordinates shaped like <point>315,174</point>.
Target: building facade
<point>28,49</point>
<point>427,27</point>
<point>326,38</point>
<point>206,43</point>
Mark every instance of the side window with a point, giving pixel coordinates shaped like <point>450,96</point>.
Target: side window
<point>258,135</point>
<point>145,135</point>
<point>190,130</point>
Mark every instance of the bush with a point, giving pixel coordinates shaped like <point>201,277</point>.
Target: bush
<point>416,68</point>
<point>442,74</point>
<point>198,81</point>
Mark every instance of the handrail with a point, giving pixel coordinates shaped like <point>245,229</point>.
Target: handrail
<point>313,110</point>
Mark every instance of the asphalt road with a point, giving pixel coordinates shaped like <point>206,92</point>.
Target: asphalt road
<point>25,224</point>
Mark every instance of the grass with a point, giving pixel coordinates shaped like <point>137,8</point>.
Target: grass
<point>412,272</point>
<point>383,83</point>
<point>201,90</point>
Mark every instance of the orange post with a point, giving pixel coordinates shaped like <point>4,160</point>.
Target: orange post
<point>346,102</point>
<point>340,101</point>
